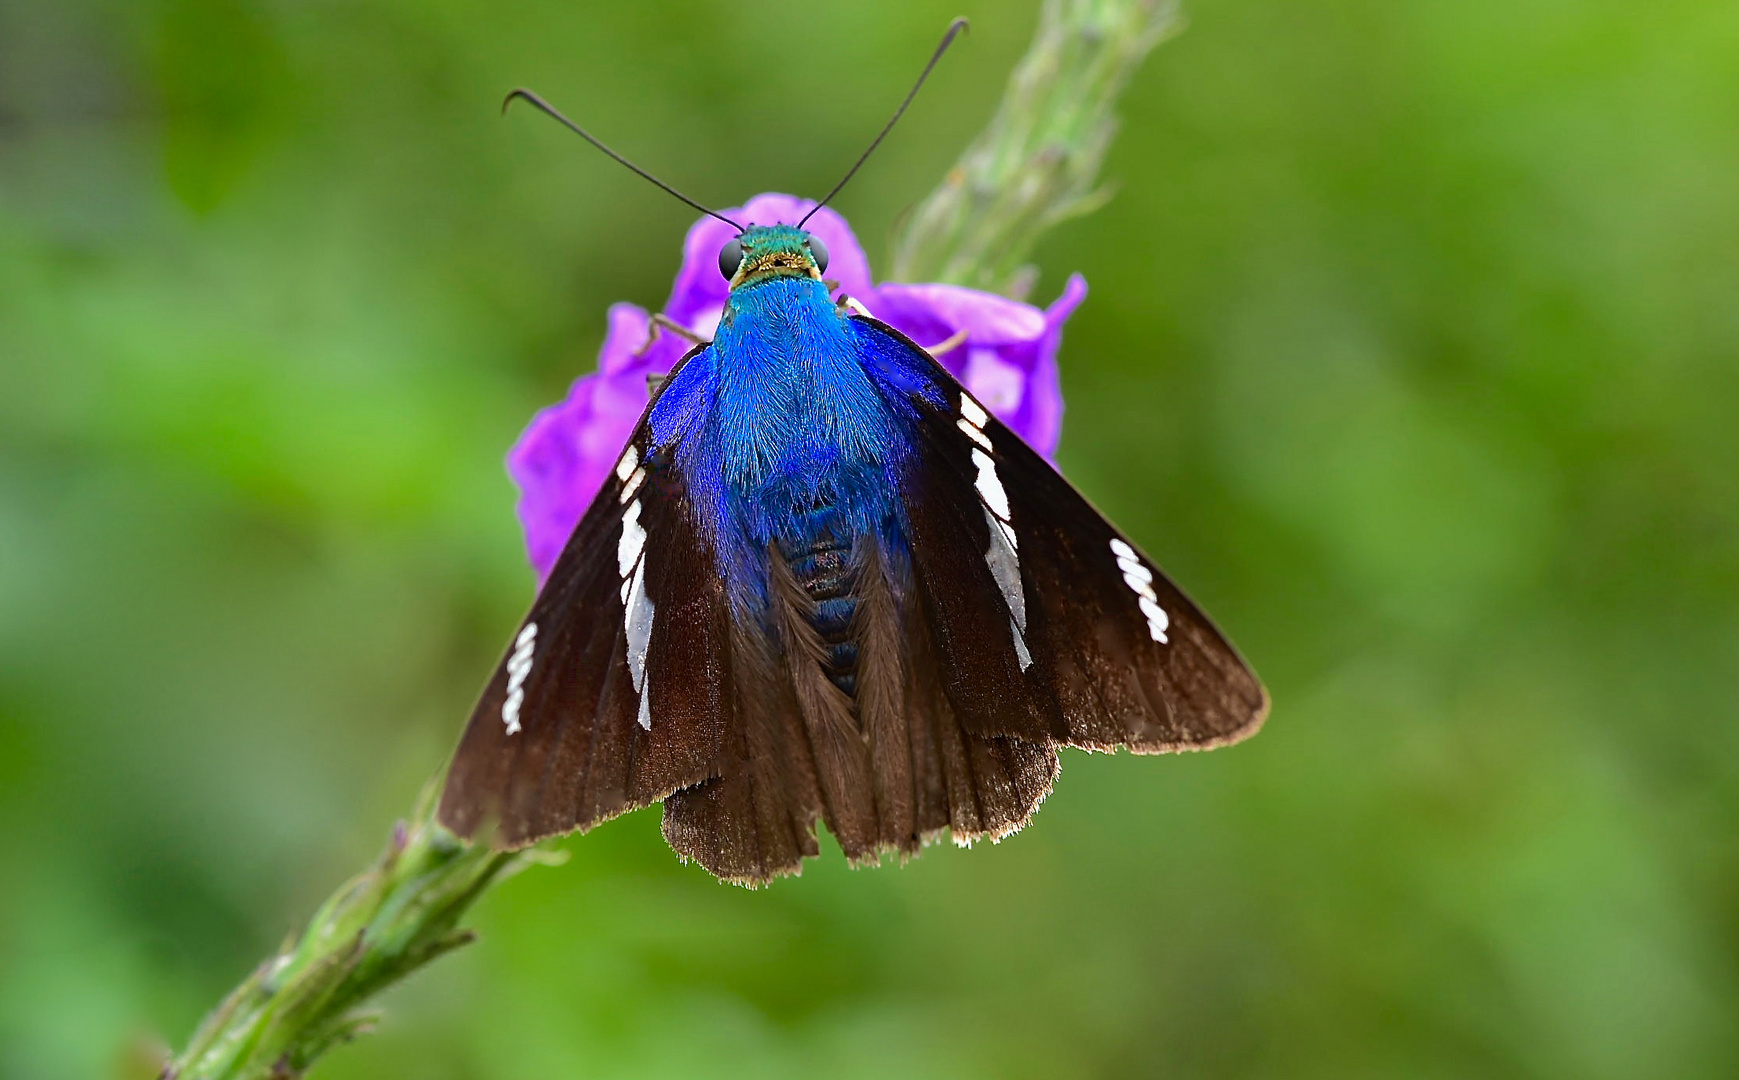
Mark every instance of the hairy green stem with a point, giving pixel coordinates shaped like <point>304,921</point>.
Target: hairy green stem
<point>1036,164</point>
<point>383,924</point>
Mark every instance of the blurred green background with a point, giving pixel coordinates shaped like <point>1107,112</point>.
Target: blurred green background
<point>1412,351</point>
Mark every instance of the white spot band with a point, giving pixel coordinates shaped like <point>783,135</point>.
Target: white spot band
<point>518,669</point>
<point>990,485</point>
<point>630,461</point>
<point>972,412</point>
<point>1003,554</point>
<point>637,608</point>
<point>1140,581</point>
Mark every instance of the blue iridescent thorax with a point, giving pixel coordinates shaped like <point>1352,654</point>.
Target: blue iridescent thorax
<point>790,444</point>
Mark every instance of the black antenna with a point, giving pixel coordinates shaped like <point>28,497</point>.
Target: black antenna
<point>544,106</point>
<point>955,29</point>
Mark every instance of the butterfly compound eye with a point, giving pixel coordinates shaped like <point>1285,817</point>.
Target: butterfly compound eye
<point>819,251</point>
<point>730,257</point>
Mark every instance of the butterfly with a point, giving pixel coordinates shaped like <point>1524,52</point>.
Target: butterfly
<point>825,584</point>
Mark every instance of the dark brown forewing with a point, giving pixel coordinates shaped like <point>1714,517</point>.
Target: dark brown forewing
<point>1191,691</point>
<point>1099,678</point>
<point>580,755</point>
<point>969,621</point>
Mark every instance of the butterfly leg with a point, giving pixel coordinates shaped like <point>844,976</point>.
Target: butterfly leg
<point>851,305</point>
<point>954,341</point>
<point>661,321</point>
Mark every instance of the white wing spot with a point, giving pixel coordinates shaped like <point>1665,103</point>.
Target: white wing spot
<point>1004,561</point>
<point>989,484</point>
<point>1003,554</point>
<point>1140,581</point>
<point>633,540</point>
<point>637,623</point>
<point>1157,620</point>
<point>1142,587</point>
<point>630,461</point>
<point>1020,650</point>
<point>518,668</point>
<point>1005,568</point>
<point>636,605</point>
<point>632,485</point>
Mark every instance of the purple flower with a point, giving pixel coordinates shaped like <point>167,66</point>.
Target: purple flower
<point>1003,350</point>
<point>1007,355</point>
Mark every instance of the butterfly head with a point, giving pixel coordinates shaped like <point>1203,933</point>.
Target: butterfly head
<point>763,252</point>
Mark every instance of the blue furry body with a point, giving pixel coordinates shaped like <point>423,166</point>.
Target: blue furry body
<point>789,439</point>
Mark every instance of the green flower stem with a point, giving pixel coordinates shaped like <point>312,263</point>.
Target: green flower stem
<point>385,923</point>
<point>1035,165</point>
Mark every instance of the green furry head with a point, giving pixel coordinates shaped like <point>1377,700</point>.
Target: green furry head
<point>769,251</point>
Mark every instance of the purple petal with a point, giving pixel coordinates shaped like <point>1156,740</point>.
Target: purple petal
<point>987,318</point>
<point>561,460</point>
<point>1009,356</point>
<point>1043,421</point>
<point>628,345</point>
